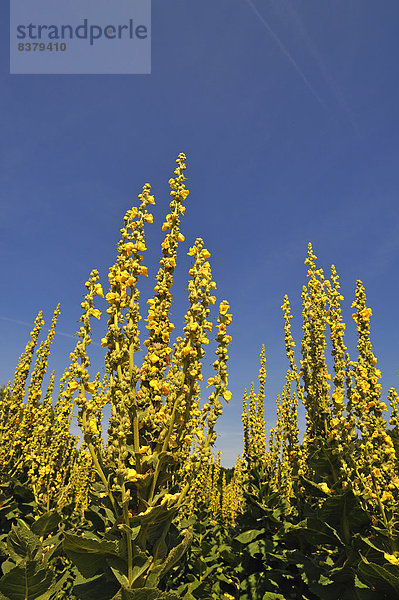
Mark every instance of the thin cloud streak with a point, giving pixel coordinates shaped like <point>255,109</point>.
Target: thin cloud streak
<point>331,84</point>
<point>287,54</point>
<point>18,322</point>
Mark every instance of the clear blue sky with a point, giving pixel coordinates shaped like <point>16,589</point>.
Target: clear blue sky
<point>288,113</point>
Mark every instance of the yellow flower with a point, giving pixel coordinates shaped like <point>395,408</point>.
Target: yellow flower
<point>224,307</point>
<point>338,398</point>
<point>364,385</point>
<point>151,200</point>
<point>386,496</point>
<point>133,476</point>
<point>90,387</point>
<point>394,560</point>
<point>366,313</point>
<point>149,218</point>
<point>99,290</point>
<point>96,313</point>
<point>227,395</point>
<point>143,271</point>
<point>181,237</point>
<point>324,487</point>
<point>128,249</point>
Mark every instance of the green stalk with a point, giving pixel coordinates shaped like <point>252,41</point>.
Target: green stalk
<point>97,464</point>
<point>125,504</point>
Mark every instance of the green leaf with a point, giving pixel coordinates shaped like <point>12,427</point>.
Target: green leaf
<point>316,532</point>
<point>378,575</point>
<point>145,594</point>
<point>98,588</point>
<point>76,543</point>
<point>344,512</point>
<point>177,552</point>
<point>249,536</point>
<point>22,543</point>
<point>88,554</point>
<point>119,568</point>
<point>30,582</point>
<point>46,523</point>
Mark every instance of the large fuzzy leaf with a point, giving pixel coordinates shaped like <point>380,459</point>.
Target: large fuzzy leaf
<point>89,554</point>
<point>145,594</point>
<point>27,581</point>
<point>383,577</point>
<point>46,523</point>
<point>22,544</point>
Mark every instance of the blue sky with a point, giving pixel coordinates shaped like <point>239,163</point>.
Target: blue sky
<point>287,112</point>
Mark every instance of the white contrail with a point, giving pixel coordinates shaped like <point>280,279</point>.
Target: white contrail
<point>287,54</point>
<point>332,85</point>
<point>18,322</point>
<point>31,325</point>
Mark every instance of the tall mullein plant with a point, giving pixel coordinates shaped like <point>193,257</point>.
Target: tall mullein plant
<point>146,468</point>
